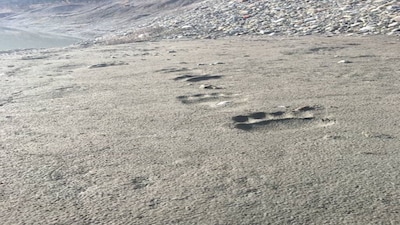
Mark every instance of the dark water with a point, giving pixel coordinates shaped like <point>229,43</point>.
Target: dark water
<point>18,39</point>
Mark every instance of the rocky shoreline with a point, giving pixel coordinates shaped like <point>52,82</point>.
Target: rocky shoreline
<point>215,19</point>
<point>115,23</point>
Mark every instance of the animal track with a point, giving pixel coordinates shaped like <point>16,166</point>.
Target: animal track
<point>313,50</point>
<point>173,70</point>
<point>5,101</point>
<point>197,78</point>
<point>296,118</point>
<point>64,91</point>
<point>211,99</point>
<point>100,65</point>
<point>140,182</point>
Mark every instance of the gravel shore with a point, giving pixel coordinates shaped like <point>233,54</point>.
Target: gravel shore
<point>221,18</point>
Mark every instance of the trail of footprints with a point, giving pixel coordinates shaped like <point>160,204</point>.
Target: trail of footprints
<point>289,118</point>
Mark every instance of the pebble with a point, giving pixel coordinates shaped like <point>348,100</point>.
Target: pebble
<point>344,61</point>
<point>209,86</point>
<point>216,63</point>
<point>220,18</point>
<point>224,103</point>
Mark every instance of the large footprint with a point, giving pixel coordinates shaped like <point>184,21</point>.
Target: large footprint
<point>211,99</point>
<point>297,118</point>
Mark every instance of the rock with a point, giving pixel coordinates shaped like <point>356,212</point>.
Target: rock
<point>396,19</point>
<point>224,103</point>
<point>209,86</point>
<point>343,61</point>
<point>367,29</point>
<point>186,27</point>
